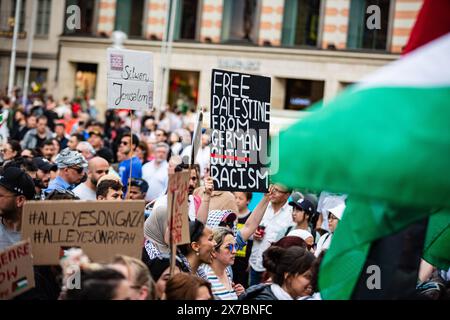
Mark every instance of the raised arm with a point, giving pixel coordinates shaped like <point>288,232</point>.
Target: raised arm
<point>255,218</point>
<point>202,214</point>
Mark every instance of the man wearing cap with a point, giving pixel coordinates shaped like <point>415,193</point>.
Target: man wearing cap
<point>303,212</point>
<point>335,207</point>
<point>138,189</point>
<point>97,168</point>
<point>15,187</point>
<point>71,166</point>
<point>44,167</point>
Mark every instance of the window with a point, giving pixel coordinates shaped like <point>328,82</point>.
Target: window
<point>87,12</point>
<point>186,20</point>
<point>300,94</point>
<point>43,17</point>
<point>183,89</point>
<point>22,14</point>
<point>36,81</point>
<point>129,15</point>
<point>359,36</point>
<point>85,81</point>
<point>301,22</point>
<point>240,20</point>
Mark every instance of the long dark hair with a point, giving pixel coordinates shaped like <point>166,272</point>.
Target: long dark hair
<point>195,230</point>
<point>293,260</point>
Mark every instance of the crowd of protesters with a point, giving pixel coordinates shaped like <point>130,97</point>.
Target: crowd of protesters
<point>52,151</point>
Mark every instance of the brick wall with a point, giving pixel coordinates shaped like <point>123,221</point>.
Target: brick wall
<point>156,19</point>
<point>271,22</point>
<point>335,24</point>
<point>211,25</point>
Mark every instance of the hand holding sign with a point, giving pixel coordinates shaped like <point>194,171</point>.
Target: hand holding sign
<point>209,186</point>
<point>240,121</point>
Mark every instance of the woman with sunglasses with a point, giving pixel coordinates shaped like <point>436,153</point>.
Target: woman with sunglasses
<point>217,272</point>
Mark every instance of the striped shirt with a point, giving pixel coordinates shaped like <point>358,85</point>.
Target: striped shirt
<point>220,292</point>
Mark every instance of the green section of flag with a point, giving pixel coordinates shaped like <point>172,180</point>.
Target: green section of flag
<point>388,144</point>
<point>363,222</point>
<point>437,242</point>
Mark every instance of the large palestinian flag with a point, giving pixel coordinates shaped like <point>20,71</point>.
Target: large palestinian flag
<point>386,143</point>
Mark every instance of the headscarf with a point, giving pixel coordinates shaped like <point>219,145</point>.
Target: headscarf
<point>155,228</point>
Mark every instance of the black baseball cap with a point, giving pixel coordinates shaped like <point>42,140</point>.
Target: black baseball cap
<point>18,182</point>
<point>304,204</point>
<point>44,165</point>
<point>140,183</point>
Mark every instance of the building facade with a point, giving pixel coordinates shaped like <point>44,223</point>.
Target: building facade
<point>311,49</point>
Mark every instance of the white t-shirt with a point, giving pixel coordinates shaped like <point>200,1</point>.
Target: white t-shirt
<point>83,192</point>
<point>157,179</point>
<point>275,224</point>
<point>7,237</point>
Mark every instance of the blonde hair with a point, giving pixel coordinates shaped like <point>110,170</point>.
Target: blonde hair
<point>219,235</point>
<point>139,270</point>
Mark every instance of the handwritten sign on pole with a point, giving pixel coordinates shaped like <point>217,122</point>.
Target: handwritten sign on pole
<point>178,207</point>
<point>240,123</point>
<point>130,79</point>
<point>16,270</point>
<point>102,229</point>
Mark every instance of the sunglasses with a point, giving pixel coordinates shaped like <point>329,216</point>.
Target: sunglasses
<point>79,170</point>
<point>230,247</point>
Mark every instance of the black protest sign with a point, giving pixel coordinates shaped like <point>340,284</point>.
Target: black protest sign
<point>101,228</point>
<point>240,121</point>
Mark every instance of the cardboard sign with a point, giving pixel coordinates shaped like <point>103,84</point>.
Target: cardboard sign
<point>130,79</point>
<point>178,207</point>
<point>240,122</point>
<point>16,270</point>
<point>102,228</point>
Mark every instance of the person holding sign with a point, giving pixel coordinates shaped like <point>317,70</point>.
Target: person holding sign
<point>15,188</point>
<point>277,217</point>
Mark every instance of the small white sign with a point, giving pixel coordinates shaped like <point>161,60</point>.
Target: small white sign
<point>130,79</point>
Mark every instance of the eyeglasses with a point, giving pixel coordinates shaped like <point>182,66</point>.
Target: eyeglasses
<point>332,217</point>
<point>79,170</point>
<point>230,247</point>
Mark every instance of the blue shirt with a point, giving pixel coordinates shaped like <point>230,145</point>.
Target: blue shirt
<point>124,170</point>
<point>58,184</point>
